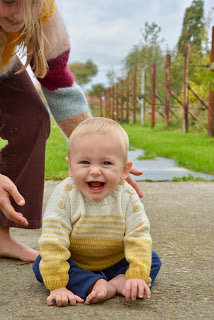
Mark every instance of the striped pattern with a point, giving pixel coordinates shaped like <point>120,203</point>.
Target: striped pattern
<point>66,102</point>
<point>97,241</point>
<point>95,235</point>
<point>58,73</point>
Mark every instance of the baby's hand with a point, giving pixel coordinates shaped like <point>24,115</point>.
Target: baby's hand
<point>136,288</point>
<point>62,296</point>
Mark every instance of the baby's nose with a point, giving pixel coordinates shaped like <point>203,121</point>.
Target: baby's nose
<point>95,170</point>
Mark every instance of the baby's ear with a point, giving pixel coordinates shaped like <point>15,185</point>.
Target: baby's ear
<point>126,170</point>
<point>69,167</point>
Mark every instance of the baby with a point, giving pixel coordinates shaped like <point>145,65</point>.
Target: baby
<point>95,240</point>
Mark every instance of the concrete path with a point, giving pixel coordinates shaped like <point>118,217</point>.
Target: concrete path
<point>161,169</point>
<point>182,224</point>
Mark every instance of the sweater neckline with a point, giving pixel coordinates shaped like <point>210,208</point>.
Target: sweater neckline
<point>104,202</point>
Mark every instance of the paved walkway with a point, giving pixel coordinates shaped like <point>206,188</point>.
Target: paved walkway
<point>161,169</point>
<point>182,224</point>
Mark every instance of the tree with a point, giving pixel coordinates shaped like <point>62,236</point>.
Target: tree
<point>193,26</point>
<point>111,76</point>
<point>96,88</point>
<point>144,53</point>
<point>147,51</point>
<point>84,72</point>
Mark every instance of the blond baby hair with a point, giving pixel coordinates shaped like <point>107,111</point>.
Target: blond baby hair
<point>32,34</point>
<point>102,126</point>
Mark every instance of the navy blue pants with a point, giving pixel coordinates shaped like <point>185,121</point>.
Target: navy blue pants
<point>81,280</point>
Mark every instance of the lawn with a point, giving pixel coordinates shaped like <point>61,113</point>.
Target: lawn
<point>193,150</point>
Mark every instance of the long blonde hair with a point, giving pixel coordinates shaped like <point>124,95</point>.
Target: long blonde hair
<point>35,11</point>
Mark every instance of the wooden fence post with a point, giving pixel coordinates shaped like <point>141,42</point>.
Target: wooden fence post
<point>143,96</point>
<point>106,103</point>
<point>109,102</point>
<point>116,94</point>
<point>101,104</point>
<point>134,97</point>
<point>168,58</point>
<point>121,102</point>
<point>153,94</point>
<point>127,100</point>
<point>186,88</point>
<point>113,95</point>
<point>211,97</point>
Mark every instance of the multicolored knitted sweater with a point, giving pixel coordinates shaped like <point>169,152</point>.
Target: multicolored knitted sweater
<point>65,98</point>
<point>93,234</point>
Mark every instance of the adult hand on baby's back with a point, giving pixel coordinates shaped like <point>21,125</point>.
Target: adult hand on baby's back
<point>133,183</point>
<point>7,189</point>
<point>136,288</point>
<point>62,297</point>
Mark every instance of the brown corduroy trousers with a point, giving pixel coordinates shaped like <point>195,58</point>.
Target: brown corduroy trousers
<point>25,124</point>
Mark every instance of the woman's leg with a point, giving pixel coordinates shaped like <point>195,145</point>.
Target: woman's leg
<point>24,122</point>
<point>11,248</point>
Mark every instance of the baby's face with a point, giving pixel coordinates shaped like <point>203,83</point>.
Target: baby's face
<point>96,164</point>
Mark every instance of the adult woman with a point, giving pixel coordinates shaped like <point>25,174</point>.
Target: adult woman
<point>24,121</point>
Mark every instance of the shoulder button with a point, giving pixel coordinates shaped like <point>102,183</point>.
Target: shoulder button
<point>67,187</point>
<point>122,182</point>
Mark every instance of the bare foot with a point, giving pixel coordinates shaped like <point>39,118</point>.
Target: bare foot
<point>102,290</point>
<point>11,248</point>
<point>119,283</point>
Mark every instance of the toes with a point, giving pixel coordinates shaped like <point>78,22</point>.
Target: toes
<point>95,296</point>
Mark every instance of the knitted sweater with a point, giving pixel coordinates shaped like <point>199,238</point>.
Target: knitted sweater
<point>65,98</point>
<point>93,234</point>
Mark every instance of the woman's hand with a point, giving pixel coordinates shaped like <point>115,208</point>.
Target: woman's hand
<point>133,183</point>
<point>7,189</point>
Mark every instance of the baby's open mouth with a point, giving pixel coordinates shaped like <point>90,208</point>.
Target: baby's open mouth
<point>96,185</point>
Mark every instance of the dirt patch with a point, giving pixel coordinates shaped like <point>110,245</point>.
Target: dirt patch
<point>182,223</point>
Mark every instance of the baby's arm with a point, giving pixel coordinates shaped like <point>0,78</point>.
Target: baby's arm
<point>137,245</point>
<point>55,240</point>
<point>62,297</point>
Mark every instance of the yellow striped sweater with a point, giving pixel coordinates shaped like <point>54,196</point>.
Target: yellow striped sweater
<point>93,234</point>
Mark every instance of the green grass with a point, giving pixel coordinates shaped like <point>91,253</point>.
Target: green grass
<point>188,178</point>
<point>193,150</point>
<point>56,167</point>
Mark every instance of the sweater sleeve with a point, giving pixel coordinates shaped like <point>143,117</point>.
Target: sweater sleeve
<point>64,96</point>
<point>55,239</point>
<point>137,240</point>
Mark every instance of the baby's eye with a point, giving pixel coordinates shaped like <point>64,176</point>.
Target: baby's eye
<point>106,163</point>
<point>85,162</point>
